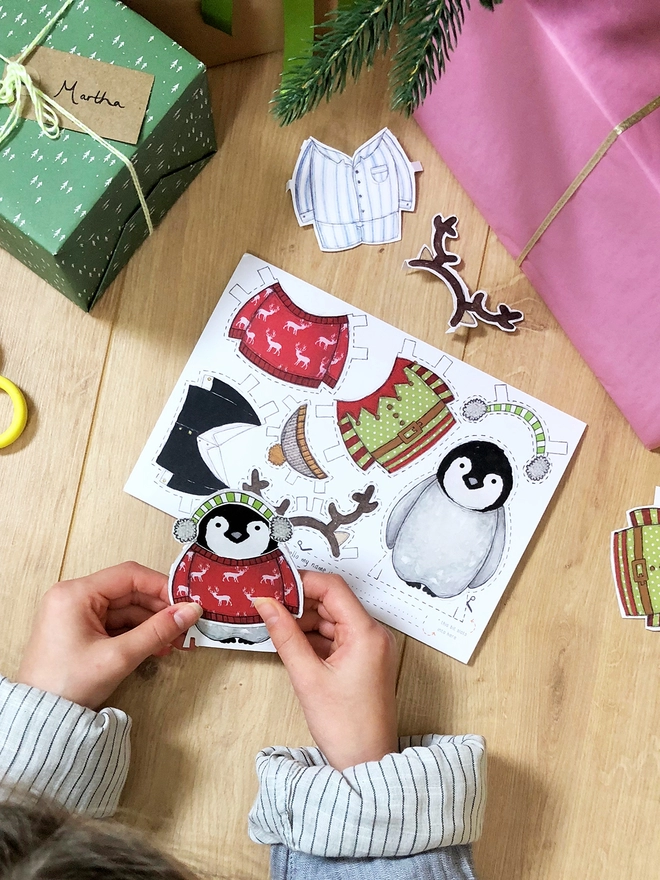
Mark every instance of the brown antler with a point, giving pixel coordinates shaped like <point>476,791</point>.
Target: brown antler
<point>474,305</point>
<point>257,486</point>
<point>337,519</point>
<point>328,530</point>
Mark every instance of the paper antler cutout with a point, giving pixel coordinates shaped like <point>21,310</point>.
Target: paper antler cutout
<point>467,307</point>
<point>329,530</point>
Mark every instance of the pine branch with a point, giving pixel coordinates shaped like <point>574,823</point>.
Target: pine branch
<point>428,32</point>
<point>353,37</point>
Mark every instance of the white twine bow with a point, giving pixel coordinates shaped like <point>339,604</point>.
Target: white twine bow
<point>16,79</point>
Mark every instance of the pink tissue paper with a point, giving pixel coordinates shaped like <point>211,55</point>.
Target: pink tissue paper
<point>531,92</point>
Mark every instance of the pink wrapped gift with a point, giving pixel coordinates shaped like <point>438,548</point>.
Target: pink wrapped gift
<point>531,92</point>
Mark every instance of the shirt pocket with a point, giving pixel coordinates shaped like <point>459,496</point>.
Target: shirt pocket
<point>380,173</point>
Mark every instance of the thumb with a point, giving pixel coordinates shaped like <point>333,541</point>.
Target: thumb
<point>289,640</point>
<point>159,631</point>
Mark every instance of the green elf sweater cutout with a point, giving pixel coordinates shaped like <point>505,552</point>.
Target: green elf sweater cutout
<point>400,421</point>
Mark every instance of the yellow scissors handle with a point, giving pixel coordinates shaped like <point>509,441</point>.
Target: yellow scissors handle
<point>15,430</point>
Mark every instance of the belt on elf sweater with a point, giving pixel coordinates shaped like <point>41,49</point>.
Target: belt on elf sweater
<point>410,432</point>
<point>640,571</point>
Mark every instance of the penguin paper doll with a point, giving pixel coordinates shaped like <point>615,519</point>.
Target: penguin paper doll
<point>233,554</point>
<point>448,533</point>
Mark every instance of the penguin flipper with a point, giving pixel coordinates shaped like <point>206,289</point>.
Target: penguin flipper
<point>494,557</point>
<point>401,510</point>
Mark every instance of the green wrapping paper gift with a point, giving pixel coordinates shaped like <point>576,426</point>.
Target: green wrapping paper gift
<point>69,209</point>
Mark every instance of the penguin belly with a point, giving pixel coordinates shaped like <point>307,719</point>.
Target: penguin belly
<point>221,632</point>
<point>441,544</point>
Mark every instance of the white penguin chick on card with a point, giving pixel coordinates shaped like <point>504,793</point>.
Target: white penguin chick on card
<point>448,533</point>
<point>245,537</point>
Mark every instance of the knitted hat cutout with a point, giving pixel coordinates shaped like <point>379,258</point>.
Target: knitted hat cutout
<point>293,448</point>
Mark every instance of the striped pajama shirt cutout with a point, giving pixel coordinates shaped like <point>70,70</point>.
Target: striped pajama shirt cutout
<point>353,199</point>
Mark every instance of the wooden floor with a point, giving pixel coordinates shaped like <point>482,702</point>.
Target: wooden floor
<point>561,687</point>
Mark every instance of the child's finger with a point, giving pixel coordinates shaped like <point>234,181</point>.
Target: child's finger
<point>337,602</point>
<point>159,631</point>
<point>310,620</point>
<point>323,647</point>
<point>117,581</point>
<point>290,642</point>
<point>327,629</point>
<point>152,603</point>
<point>126,618</point>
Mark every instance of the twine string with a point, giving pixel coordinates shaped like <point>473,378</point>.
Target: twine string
<point>568,194</point>
<point>17,82</point>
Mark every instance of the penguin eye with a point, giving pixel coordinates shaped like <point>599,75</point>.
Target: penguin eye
<point>493,481</point>
<point>217,525</point>
<point>461,465</point>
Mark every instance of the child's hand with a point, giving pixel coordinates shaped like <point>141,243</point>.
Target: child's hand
<point>90,633</point>
<point>342,666</point>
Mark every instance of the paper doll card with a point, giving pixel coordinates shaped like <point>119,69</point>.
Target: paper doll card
<point>418,478</point>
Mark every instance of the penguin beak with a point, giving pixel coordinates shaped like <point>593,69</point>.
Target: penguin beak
<point>471,482</point>
<point>236,536</point>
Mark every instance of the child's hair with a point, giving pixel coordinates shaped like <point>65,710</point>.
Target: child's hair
<point>44,842</point>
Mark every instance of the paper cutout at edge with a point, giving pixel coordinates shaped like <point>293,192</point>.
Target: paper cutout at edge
<point>465,304</point>
<point>632,570</point>
<point>339,203</point>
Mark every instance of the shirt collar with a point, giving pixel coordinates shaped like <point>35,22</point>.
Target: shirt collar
<point>362,152</point>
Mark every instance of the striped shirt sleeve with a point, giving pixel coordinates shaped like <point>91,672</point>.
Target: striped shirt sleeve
<point>53,748</point>
<point>303,200</point>
<point>432,794</point>
<point>404,171</point>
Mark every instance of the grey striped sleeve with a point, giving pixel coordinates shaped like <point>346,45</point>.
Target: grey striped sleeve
<point>430,795</point>
<point>56,749</point>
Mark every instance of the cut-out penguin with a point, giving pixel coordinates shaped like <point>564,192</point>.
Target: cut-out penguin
<point>233,555</point>
<point>449,532</point>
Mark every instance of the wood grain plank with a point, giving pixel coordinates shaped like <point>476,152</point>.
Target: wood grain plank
<point>55,353</point>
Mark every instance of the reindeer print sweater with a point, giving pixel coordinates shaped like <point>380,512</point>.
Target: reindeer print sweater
<point>290,343</point>
<point>225,587</point>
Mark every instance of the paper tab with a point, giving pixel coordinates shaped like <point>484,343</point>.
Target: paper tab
<point>109,99</point>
